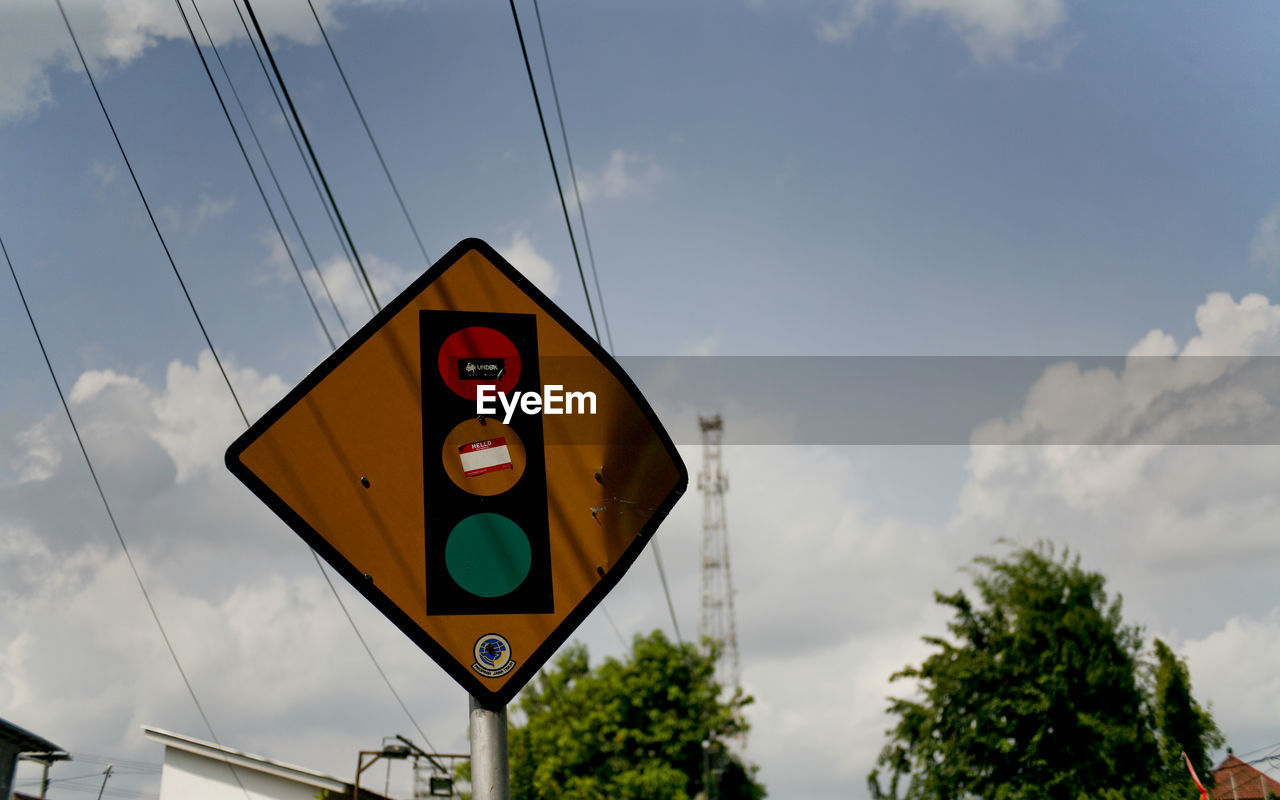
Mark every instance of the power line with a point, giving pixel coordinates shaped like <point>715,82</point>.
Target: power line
<point>267,162</point>
<point>524,51</point>
<point>314,555</point>
<point>666,590</point>
<point>288,124</point>
<point>657,551</point>
<point>609,618</point>
<point>1259,749</point>
<point>355,628</point>
<point>254,173</point>
<point>36,781</point>
<point>217,360</point>
<point>121,764</point>
<point>266,48</point>
<point>367,649</point>
<point>324,573</point>
<point>385,170</point>
<point>138,767</point>
<point>582,217</point>
<point>147,206</point>
<point>96,788</point>
<point>75,429</point>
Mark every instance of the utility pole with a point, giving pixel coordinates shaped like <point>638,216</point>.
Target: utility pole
<point>490,769</point>
<point>106,773</point>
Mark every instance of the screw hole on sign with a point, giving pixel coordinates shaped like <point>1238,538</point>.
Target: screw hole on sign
<point>600,571</point>
<point>364,482</point>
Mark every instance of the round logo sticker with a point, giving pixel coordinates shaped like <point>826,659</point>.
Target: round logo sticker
<point>493,656</point>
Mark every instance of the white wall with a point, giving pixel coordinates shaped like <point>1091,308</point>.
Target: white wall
<point>187,776</point>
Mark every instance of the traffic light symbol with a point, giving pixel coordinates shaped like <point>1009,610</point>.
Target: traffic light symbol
<point>485,483</point>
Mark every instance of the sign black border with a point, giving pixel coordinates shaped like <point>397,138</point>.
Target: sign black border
<point>459,672</point>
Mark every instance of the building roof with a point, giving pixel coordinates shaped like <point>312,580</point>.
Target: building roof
<point>1234,778</point>
<point>240,758</point>
<point>26,741</point>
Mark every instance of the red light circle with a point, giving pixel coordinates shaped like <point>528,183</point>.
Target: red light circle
<point>473,356</point>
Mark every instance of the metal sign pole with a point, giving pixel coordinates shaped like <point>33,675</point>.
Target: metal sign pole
<point>490,769</point>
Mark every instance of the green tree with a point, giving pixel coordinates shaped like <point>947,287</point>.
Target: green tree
<point>631,728</point>
<point>1181,724</point>
<point>1041,692</point>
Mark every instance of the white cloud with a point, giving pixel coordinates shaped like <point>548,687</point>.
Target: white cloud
<point>1264,249</point>
<point>339,278</point>
<point>625,175</point>
<point>251,656</point>
<point>105,173</point>
<point>208,208</point>
<point>80,659</point>
<point>33,39</point>
<point>39,456</point>
<point>175,219</point>
<point>343,282</point>
<point>853,14</point>
<point>834,590</point>
<point>1186,532</point>
<point>1183,530</point>
<point>192,417</point>
<point>994,30</point>
<point>1250,327</point>
<point>346,285</point>
<point>1236,663</point>
<point>1160,395</point>
<point>532,264</point>
<point>1100,447</point>
<point>705,345</point>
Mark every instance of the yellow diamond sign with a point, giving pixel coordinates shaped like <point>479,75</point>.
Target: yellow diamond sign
<point>474,464</point>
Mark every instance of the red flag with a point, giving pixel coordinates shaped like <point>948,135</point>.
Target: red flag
<point>1204,793</point>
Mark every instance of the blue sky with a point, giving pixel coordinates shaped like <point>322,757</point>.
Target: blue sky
<point>861,177</point>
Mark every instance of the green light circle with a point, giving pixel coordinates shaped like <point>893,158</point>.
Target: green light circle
<point>488,555</point>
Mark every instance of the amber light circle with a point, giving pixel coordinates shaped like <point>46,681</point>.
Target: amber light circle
<point>483,346</point>
<point>478,431</point>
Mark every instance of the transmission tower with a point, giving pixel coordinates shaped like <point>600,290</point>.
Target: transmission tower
<point>717,622</point>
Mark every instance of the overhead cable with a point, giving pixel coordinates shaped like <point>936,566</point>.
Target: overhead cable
<point>254,174</point>
<point>115,526</point>
<point>266,160</point>
<point>288,124</point>
<point>323,572</point>
<point>573,175</point>
<point>377,151</point>
<point>284,90</point>
<point>163,244</point>
<point>657,551</point>
<point>212,350</point>
<point>533,86</point>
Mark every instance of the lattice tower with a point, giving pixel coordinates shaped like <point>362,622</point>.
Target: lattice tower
<point>717,621</point>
